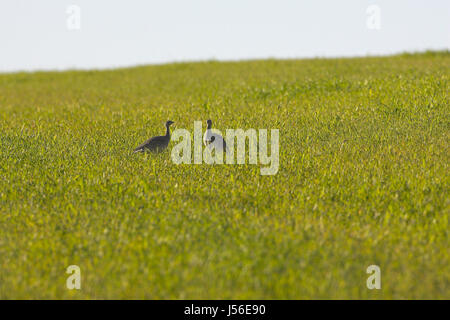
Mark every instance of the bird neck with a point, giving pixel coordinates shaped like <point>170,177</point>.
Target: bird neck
<point>167,131</point>
<point>209,126</point>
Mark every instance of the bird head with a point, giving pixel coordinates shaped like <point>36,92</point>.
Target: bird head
<point>169,122</point>
<point>209,123</point>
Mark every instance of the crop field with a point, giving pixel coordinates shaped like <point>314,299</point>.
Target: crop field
<point>363,180</point>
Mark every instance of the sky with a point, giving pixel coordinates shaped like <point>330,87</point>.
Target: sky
<point>97,34</point>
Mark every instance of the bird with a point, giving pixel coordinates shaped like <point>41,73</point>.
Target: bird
<point>211,139</point>
<point>158,143</point>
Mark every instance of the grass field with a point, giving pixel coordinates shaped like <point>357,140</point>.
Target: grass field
<point>363,179</point>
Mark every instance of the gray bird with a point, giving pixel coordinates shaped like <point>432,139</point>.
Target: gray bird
<point>213,139</point>
<point>156,144</point>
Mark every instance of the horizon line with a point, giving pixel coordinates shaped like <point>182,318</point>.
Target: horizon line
<point>236,60</point>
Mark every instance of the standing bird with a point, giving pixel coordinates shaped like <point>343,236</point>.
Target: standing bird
<point>156,144</point>
<point>211,139</point>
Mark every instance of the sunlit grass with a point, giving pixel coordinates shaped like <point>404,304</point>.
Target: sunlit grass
<point>363,179</point>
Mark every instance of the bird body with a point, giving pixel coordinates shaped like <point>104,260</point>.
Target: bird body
<point>213,139</point>
<point>158,143</point>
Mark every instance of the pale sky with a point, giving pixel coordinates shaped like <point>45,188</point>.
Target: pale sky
<point>50,34</point>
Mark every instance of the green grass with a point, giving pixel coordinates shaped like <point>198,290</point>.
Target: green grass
<point>363,179</point>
